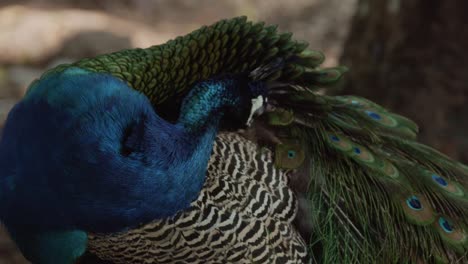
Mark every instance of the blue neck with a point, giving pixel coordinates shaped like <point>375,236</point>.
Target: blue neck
<point>100,159</point>
<point>206,103</point>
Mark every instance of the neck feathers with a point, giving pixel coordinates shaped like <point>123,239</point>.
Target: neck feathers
<point>100,158</point>
<point>209,101</point>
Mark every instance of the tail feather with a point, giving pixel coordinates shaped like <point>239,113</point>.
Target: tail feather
<point>377,194</point>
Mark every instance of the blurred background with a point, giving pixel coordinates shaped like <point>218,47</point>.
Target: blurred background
<point>409,56</point>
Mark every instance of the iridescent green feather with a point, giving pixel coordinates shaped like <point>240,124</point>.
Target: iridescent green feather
<point>230,46</point>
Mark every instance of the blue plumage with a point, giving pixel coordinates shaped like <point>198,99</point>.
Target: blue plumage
<point>77,168</point>
<point>83,151</point>
<point>51,247</point>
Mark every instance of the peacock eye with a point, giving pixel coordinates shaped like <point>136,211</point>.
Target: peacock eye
<point>373,115</point>
<point>446,225</point>
<point>291,154</point>
<point>357,150</point>
<point>439,180</point>
<point>334,138</point>
<point>414,203</point>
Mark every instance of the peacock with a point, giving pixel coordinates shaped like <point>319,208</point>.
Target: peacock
<point>222,146</point>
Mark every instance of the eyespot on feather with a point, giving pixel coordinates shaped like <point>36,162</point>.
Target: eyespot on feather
<point>389,169</point>
<point>449,231</point>
<point>339,142</point>
<point>445,184</point>
<point>414,203</point>
<point>289,155</point>
<point>359,102</point>
<point>382,118</point>
<point>362,154</point>
<point>280,117</point>
<point>417,209</point>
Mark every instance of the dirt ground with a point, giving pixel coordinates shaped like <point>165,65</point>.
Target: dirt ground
<point>36,35</point>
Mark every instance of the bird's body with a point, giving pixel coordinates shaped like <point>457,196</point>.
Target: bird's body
<point>143,156</point>
<point>244,214</point>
